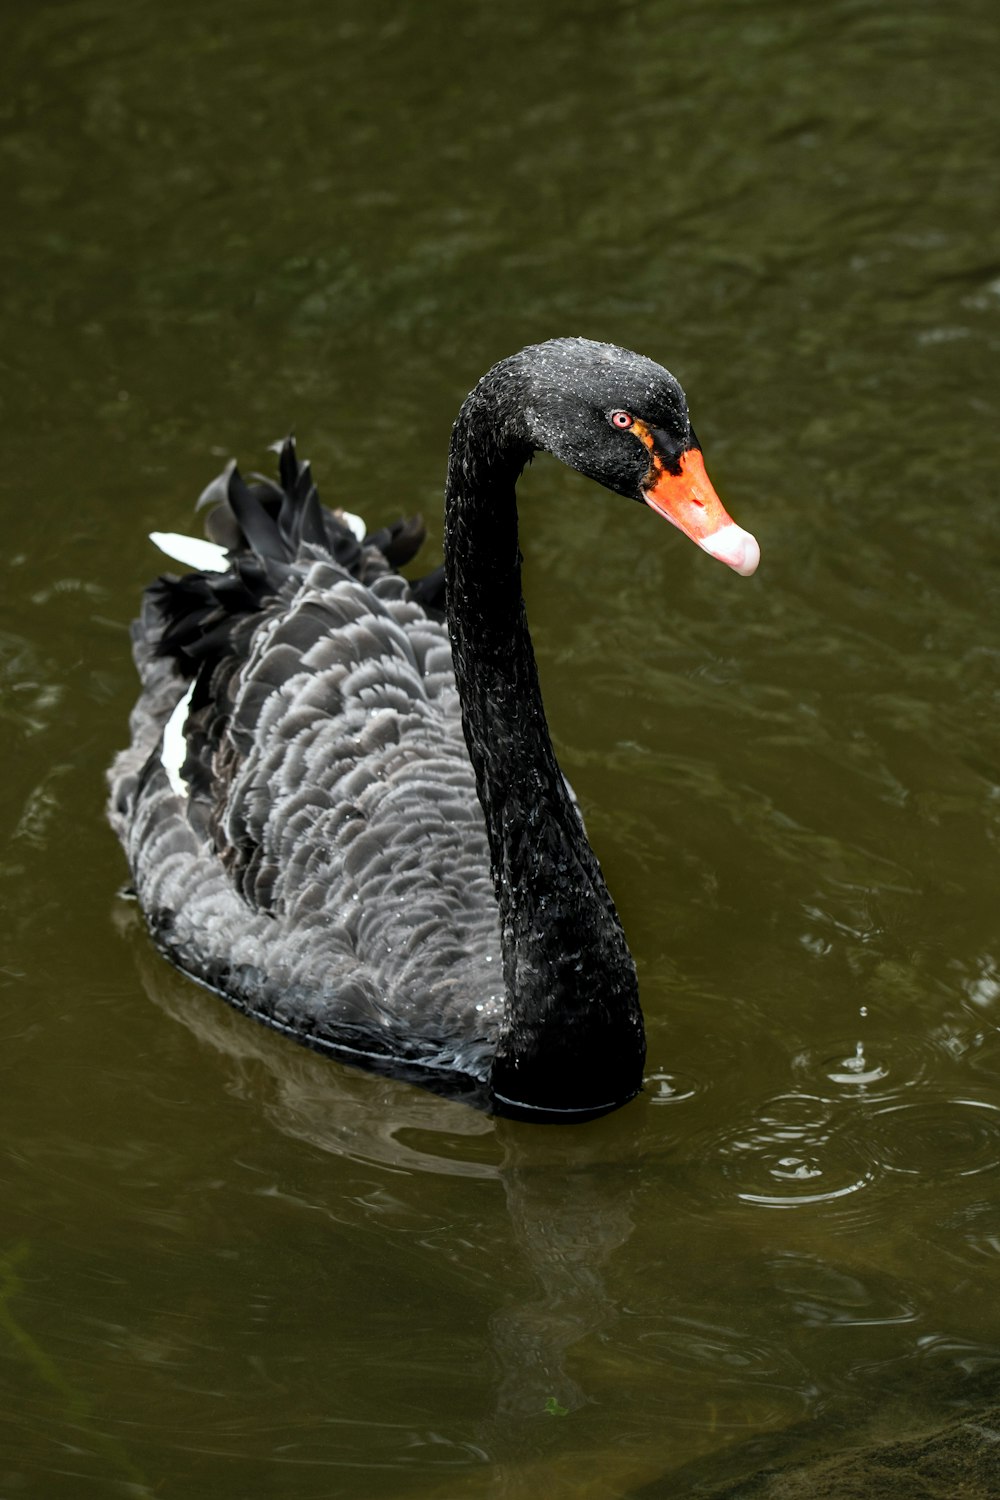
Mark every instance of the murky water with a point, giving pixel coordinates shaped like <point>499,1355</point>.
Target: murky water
<point>229,1268</point>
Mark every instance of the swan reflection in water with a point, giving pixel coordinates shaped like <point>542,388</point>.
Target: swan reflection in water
<point>534,1283</point>
<point>569,1193</point>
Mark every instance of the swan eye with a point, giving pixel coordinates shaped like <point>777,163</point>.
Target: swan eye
<point>622,420</point>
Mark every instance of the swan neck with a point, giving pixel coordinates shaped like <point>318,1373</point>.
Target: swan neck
<point>572,1036</point>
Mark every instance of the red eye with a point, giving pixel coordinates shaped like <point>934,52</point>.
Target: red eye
<point>621,419</point>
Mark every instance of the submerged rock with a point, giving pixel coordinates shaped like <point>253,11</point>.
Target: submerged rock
<point>938,1439</point>
<point>959,1461</point>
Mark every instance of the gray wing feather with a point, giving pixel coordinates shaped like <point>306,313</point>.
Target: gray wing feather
<point>339,883</point>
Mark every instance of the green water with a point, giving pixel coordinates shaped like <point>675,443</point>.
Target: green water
<point>231,1269</point>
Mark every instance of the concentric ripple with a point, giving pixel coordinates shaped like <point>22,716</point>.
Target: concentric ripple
<point>935,1137</point>
<point>863,1070</point>
<point>792,1154</point>
<point>671,1088</point>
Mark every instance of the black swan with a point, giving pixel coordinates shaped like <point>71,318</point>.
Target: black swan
<point>344,813</point>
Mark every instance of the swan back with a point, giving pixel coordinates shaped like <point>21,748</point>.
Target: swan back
<point>324,863</point>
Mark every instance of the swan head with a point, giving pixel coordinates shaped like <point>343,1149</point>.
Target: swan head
<point>623,420</point>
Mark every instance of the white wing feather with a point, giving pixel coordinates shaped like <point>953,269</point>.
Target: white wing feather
<point>207,557</point>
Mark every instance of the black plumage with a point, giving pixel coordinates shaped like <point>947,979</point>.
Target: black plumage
<point>371,846</point>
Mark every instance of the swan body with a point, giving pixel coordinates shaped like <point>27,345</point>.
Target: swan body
<point>341,807</point>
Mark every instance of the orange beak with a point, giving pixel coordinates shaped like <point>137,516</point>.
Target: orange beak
<point>690,503</point>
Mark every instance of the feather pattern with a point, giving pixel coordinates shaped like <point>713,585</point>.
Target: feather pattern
<point>349,899</point>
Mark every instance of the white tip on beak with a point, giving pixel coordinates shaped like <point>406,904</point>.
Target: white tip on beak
<point>733,546</point>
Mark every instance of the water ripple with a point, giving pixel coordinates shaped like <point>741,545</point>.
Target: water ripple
<point>792,1154</point>
<point>860,1070</point>
<point>977,1226</point>
<point>671,1088</point>
<point>822,1294</point>
<point>934,1137</point>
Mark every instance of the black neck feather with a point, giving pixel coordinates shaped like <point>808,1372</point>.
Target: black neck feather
<point>572,1038</point>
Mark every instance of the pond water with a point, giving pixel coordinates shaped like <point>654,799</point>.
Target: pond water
<point>230,1268</point>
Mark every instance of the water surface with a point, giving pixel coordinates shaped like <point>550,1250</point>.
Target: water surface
<point>230,1268</point>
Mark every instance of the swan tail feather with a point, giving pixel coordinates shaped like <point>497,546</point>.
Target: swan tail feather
<point>259,534</point>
